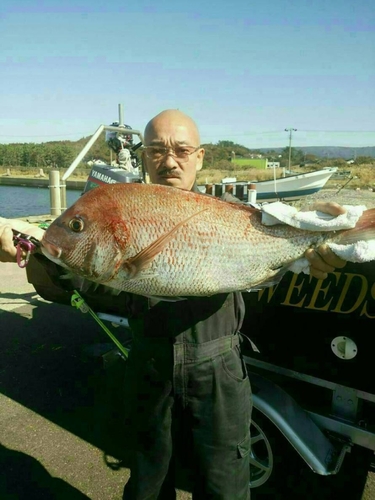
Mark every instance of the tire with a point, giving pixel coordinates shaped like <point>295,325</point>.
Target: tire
<point>274,465</point>
<point>277,471</point>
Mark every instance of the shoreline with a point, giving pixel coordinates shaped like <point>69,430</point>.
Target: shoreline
<point>38,182</point>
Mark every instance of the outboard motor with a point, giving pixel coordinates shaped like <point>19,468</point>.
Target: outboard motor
<point>126,168</point>
<point>122,144</point>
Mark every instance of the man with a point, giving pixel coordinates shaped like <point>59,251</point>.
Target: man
<point>186,387</point>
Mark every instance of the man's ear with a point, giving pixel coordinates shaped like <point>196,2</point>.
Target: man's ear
<point>200,157</point>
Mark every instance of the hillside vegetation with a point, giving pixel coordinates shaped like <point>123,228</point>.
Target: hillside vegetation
<point>27,159</point>
<point>60,154</point>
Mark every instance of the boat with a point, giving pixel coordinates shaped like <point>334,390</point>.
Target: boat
<point>120,139</point>
<point>288,188</point>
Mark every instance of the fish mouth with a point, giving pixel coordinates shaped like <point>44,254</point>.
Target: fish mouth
<point>50,250</point>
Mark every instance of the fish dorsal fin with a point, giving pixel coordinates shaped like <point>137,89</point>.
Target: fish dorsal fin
<point>143,259</point>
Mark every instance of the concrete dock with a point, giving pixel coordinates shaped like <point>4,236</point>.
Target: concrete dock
<point>57,438</point>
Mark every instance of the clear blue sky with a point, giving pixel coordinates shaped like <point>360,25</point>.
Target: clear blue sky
<point>244,70</point>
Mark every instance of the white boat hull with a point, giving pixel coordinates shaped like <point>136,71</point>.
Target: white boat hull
<point>293,187</point>
<point>284,188</point>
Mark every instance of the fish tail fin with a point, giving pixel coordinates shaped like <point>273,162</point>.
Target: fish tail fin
<point>363,231</point>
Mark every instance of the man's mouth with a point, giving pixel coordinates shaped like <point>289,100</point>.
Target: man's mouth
<point>169,175</point>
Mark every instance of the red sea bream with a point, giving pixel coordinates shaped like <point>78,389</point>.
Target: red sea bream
<point>163,241</point>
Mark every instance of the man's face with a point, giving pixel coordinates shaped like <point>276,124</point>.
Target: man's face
<point>169,131</point>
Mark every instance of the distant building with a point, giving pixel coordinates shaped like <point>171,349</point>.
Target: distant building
<point>273,164</point>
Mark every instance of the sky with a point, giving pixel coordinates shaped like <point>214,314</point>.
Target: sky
<point>244,70</point>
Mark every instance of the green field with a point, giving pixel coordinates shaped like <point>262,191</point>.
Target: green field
<point>253,162</point>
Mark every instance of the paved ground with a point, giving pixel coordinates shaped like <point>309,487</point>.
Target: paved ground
<point>47,440</point>
<point>57,440</point>
<point>53,394</point>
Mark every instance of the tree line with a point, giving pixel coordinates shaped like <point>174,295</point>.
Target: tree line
<point>56,154</point>
<point>60,154</point>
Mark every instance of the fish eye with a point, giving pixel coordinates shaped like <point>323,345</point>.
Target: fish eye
<point>76,224</point>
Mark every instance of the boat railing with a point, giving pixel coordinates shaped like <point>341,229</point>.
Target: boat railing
<point>102,128</point>
<point>57,185</point>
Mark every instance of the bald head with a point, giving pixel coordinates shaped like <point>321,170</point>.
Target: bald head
<point>173,130</point>
<point>172,119</point>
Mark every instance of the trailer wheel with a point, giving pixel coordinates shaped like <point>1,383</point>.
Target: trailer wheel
<point>278,472</point>
<point>274,464</point>
<point>261,454</point>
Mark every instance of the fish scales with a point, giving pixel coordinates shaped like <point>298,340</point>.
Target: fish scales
<point>208,250</point>
<point>158,240</point>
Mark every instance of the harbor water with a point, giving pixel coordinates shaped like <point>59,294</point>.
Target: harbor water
<point>20,201</point>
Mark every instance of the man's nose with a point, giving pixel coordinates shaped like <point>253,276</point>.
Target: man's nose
<point>169,160</point>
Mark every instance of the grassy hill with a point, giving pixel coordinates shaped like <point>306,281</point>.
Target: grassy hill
<point>346,153</point>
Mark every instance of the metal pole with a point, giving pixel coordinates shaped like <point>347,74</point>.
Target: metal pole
<point>54,191</point>
<point>290,130</point>
<point>251,193</point>
<point>82,153</point>
<point>63,195</point>
<point>120,115</point>
<point>274,179</point>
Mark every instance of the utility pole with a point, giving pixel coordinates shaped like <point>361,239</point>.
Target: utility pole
<point>290,130</point>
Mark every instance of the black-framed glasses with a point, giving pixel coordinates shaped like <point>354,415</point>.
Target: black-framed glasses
<point>181,153</point>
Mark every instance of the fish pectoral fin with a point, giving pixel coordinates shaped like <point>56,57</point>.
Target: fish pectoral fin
<point>270,281</point>
<point>143,259</point>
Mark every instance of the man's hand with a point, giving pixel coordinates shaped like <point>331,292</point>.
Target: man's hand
<point>8,251</point>
<point>322,260</point>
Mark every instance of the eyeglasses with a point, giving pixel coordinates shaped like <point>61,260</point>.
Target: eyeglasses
<point>181,153</point>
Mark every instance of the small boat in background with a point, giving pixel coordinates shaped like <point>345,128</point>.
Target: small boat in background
<point>287,188</point>
<point>119,138</point>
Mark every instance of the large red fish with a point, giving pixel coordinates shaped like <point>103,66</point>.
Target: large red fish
<point>163,241</point>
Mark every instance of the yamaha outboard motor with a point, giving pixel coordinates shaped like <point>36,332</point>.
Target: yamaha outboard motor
<point>126,168</point>
<point>122,144</point>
